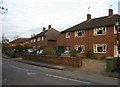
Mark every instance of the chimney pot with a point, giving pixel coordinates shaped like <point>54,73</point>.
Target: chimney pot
<point>49,26</point>
<point>44,28</point>
<point>110,12</point>
<point>88,17</point>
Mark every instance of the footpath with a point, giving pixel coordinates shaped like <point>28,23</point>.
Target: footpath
<point>89,70</point>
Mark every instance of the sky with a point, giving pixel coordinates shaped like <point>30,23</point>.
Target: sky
<point>26,17</point>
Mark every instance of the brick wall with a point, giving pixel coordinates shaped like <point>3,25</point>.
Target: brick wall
<point>75,62</point>
<point>89,40</point>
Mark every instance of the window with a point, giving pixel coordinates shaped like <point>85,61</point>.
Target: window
<point>100,31</point>
<point>68,35</point>
<point>42,38</point>
<point>79,33</point>
<point>34,40</point>
<point>100,48</point>
<point>80,48</point>
<point>31,40</point>
<point>115,29</point>
<point>38,39</point>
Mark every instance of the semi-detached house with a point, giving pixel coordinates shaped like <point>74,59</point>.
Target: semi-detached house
<point>98,35</point>
<point>48,37</point>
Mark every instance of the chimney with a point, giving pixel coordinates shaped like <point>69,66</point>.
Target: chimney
<point>88,17</point>
<point>49,26</point>
<point>110,12</point>
<point>44,28</point>
<point>33,35</point>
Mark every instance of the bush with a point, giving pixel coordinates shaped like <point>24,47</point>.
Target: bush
<point>6,49</point>
<point>49,51</point>
<point>73,53</point>
<point>90,54</point>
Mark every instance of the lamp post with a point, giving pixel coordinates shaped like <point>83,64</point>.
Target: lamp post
<point>118,46</point>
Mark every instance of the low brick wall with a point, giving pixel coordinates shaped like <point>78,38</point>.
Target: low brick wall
<point>75,62</point>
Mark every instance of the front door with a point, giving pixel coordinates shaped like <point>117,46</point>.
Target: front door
<point>115,50</point>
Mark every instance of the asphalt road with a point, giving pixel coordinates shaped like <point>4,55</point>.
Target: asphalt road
<point>16,73</point>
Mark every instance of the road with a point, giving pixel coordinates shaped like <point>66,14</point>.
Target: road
<point>16,73</point>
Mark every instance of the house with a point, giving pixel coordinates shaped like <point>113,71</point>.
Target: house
<point>98,35</point>
<point>19,41</point>
<point>48,37</point>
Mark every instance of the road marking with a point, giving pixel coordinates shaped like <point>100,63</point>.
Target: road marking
<point>20,68</point>
<point>29,73</point>
<point>75,80</point>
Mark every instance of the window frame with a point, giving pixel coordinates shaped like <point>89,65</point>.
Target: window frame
<point>115,31</point>
<point>38,39</point>
<point>42,38</point>
<point>77,47</point>
<point>98,30</point>
<point>80,31</point>
<point>96,47</point>
<point>68,34</point>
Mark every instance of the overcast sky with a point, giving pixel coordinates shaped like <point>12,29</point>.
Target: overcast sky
<point>26,17</point>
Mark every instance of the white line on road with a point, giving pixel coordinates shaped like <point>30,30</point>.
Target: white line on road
<point>20,68</point>
<point>68,79</point>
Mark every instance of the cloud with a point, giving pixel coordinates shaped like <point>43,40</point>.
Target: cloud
<point>25,17</point>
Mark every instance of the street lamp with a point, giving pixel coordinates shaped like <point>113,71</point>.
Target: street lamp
<point>117,26</point>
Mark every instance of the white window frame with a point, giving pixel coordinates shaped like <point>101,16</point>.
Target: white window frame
<point>34,40</point>
<point>82,48</point>
<point>80,31</point>
<point>31,40</point>
<point>38,39</point>
<point>42,38</point>
<point>96,48</point>
<point>97,30</point>
<point>115,30</point>
<point>68,34</point>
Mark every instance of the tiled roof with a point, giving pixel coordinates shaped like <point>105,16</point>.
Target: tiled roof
<point>93,23</point>
<point>19,40</point>
<point>40,34</point>
<point>51,34</point>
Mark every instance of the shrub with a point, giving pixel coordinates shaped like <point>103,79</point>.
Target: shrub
<point>73,53</point>
<point>90,54</point>
<point>49,51</point>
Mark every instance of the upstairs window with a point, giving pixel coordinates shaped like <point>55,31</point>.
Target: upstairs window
<point>42,38</point>
<point>68,35</point>
<point>31,40</point>
<point>115,29</point>
<point>100,48</point>
<point>80,48</point>
<point>100,31</point>
<point>38,39</point>
<point>34,39</point>
<point>79,33</point>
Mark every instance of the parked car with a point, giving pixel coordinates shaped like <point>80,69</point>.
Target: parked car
<point>58,52</point>
<point>30,50</point>
<point>67,52</point>
<point>39,52</point>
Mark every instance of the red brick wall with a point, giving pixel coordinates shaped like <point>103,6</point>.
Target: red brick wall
<point>76,62</point>
<point>89,40</point>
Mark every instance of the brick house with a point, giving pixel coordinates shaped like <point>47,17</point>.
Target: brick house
<point>48,37</point>
<point>98,35</point>
<point>19,41</point>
